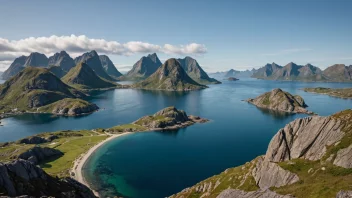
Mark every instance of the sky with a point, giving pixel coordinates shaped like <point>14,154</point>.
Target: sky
<point>221,34</point>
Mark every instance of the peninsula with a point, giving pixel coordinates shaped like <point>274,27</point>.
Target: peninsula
<point>63,154</point>
<point>340,93</point>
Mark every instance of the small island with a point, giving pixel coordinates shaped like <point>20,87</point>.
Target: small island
<point>233,79</point>
<point>62,154</point>
<point>279,100</point>
<point>340,93</point>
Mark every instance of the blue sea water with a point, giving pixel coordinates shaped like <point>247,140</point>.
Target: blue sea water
<point>158,164</point>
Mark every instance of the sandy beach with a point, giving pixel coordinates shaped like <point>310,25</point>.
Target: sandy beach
<point>79,162</point>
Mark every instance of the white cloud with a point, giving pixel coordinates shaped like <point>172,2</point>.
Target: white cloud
<point>79,44</point>
<point>192,48</point>
<point>287,51</point>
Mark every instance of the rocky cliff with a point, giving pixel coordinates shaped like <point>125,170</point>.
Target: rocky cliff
<point>61,60</point>
<point>171,77</point>
<point>22,178</point>
<point>109,67</point>
<point>279,100</point>
<point>309,157</point>
<point>143,68</point>
<point>195,71</point>
<point>83,77</point>
<point>57,71</point>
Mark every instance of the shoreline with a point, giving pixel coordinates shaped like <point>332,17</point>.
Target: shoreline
<point>81,160</point>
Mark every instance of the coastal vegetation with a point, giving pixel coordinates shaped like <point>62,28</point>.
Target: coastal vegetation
<point>340,93</point>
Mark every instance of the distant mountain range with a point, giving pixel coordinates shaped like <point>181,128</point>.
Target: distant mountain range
<point>294,72</point>
<point>232,73</point>
<point>143,68</point>
<point>102,65</point>
<point>171,77</point>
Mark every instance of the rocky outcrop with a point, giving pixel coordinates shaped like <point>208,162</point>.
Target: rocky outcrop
<point>171,77</point>
<point>279,100</point>
<point>37,155</point>
<point>33,140</point>
<point>235,193</point>
<point>143,68</point>
<point>305,138</point>
<point>70,107</point>
<point>268,174</point>
<point>344,157</point>
<point>22,178</point>
<point>109,67</point>
<point>195,71</point>
<point>344,194</point>
<point>232,79</point>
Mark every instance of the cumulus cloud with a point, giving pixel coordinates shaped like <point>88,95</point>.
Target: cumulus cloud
<point>79,44</point>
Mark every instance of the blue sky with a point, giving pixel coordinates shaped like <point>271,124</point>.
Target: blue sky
<point>228,34</point>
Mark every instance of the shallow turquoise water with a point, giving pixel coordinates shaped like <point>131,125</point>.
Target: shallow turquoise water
<point>157,164</point>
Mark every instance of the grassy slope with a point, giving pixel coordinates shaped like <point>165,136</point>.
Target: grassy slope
<point>341,93</point>
<point>87,77</point>
<point>67,103</point>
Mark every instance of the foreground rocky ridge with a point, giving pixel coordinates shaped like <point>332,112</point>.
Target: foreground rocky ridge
<point>309,157</point>
<point>279,100</point>
<point>21,177</point>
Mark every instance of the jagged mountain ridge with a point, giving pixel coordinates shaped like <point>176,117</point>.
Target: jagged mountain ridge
<point>143,68</point>
<point>170,76</point>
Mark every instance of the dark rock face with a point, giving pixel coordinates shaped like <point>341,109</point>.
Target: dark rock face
<point>194,71</point>
<point>57,71</point>
<point>36,59</point>
<point>22,178</point>
<point>93,61</point>
<point>15,67</point>
<point>266,71</point>
<point>170,76</point>
<point>37,155</point>
<point>338,73</point>
<point>109,66</point>
<point>33,140</point>
<point>145,67</point>
<point>62,60</point>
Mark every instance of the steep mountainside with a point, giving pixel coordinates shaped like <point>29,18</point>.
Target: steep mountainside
<point>83,77</point>
<point>35,59</point>
<point>62,60</point>
<point>32,88</point>
<point>279,100</point>
<point>57,71</point>
<point>194,71</point>
<point>109,67</point>
<point>21,177</point>
<point>15,67</point>
<point>93,61</point>
<point>338,73</point>
<point>309,157</point>
<point>170,76</point>
<point>266,71</point>
<point>143,68</point>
